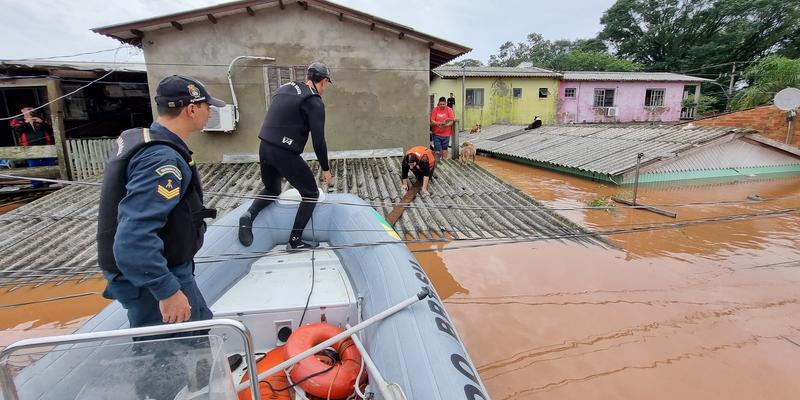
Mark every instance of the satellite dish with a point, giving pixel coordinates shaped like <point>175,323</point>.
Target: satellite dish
<point>788,99</point>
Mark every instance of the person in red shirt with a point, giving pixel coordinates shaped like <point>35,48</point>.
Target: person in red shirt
<point>442,119</point>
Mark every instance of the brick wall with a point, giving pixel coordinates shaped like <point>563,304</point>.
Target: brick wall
<point>769,121</point>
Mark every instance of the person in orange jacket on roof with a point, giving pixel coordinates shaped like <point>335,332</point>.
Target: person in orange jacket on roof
<point>421,161</point>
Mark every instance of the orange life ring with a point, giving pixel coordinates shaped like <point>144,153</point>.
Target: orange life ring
<point>277,381</point>
<point>339,381</point>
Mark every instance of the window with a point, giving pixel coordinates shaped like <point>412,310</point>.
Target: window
<point>654,98</point>
<point>603,98</point>
<point>544,92</point>
<point>277,75</point>
<point>517,93</point>
<point>475,97</point>
<point>569,92</point>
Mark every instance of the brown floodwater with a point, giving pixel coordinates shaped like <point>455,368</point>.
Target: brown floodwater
<point>700,311</point>
<point>49,309</point>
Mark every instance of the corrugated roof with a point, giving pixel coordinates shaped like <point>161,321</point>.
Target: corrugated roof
<point>629,76</point>
<point>54,237</point>
<point>76,65</point>
<point>488,72</point>
<point>735,153</point>
<point>592,150</point>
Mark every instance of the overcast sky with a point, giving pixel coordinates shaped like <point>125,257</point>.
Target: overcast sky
<point>46,28</point>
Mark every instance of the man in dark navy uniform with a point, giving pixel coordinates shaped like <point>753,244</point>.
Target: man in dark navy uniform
<point>150,225</point>
<point>295,110</point>
<point>151,213</point>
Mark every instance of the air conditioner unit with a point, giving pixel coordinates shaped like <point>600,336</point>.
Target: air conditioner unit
<point>612,111</point>
<point>221,119</point>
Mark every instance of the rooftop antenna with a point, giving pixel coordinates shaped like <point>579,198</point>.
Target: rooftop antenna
<point>789,100</point>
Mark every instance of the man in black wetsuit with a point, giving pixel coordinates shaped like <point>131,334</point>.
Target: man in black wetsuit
<point>296,109</point>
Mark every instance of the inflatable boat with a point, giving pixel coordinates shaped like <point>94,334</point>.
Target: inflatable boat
<point>358,312</point>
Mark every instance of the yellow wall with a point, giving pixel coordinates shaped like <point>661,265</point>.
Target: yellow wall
<point>499,105</point>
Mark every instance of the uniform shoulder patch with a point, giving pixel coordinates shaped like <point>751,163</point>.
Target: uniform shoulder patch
<point>169,169</point>
<point>168,190</point>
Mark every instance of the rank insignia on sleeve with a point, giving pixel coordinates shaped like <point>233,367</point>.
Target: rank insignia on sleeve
<point>168,191</point>
<point>169,169</point>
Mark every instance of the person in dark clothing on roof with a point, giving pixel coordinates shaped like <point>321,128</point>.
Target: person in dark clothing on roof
<point>295,110</point>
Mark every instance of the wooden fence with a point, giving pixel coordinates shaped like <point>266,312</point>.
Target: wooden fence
<point>88,157</point>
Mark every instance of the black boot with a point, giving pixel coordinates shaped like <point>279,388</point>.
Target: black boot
<point>246,229</point>
<point>296,244</point>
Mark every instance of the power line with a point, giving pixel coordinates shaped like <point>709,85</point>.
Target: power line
<point>68,94</point>
<point>70,55</point>
<point>441,206</point>
<point>65,297</point>
<point>483,242</point>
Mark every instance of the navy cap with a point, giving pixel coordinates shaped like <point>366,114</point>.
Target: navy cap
<point>180,91</point>
<point>318,71</point>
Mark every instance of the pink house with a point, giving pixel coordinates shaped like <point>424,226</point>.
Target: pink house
<point>588,96</point>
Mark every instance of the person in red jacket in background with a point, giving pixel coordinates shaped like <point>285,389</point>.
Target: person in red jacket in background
<point>31,129</point>
<point>442,119</point>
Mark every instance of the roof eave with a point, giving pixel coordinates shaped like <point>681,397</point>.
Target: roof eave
<point>441,50</point>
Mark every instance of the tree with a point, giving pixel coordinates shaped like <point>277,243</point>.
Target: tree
<point>766,78</point>
<point>705,105</point>
<point>558,54</point>
<point>467,62</point>
<point>579,60</point>
<point>676,35</point>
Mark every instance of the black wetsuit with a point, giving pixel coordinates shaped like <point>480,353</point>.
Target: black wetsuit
<point>295,110</point>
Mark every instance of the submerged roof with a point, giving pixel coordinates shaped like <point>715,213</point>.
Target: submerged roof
<point>441,51</point>
<point>450,71</point>
<point>629,76</point>
<point>609,152</point>
<point>53,238</point>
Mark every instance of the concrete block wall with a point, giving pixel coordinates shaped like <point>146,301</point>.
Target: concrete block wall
<point>769,121</point>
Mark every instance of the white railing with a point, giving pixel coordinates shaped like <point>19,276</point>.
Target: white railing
<point>88,157</point>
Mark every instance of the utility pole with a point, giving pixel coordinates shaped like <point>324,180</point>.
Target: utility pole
<point>730,88</point>
<point>460,126</point>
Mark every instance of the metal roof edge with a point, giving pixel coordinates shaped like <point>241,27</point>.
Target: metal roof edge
<point>243,6</point>
<point>773,143</point>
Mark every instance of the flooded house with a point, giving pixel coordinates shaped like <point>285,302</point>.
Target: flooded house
<point>381,69</point>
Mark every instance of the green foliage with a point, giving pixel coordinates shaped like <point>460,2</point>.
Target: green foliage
<point>766,78</point>
<point>562,54</point>
<point>675,35</point>
<point>704,106</point>
<point>467,62</point>
<point>579,60</point>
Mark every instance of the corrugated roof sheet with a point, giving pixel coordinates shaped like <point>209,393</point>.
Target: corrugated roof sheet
<point>76,65</point>
<point>487,72</point>
<point>601,150</point>
<point>54,237</point>
<point>629,76</point>
<point>736,153</point>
